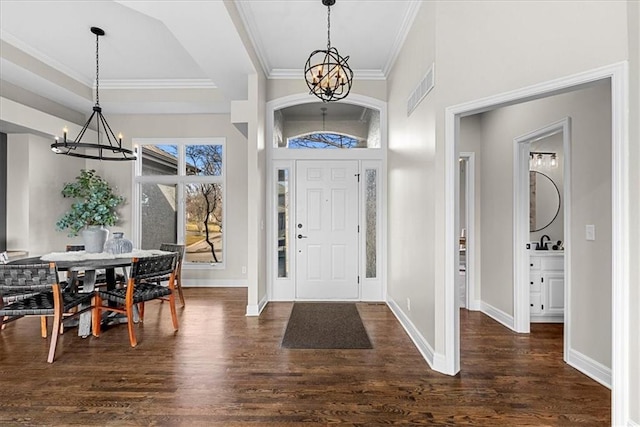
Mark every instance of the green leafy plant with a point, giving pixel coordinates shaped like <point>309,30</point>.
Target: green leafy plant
<point>95,203</point>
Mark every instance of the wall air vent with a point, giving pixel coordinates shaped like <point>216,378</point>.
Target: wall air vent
<point>424,87</point>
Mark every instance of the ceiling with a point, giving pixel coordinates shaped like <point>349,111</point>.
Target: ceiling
<point>184,56</point>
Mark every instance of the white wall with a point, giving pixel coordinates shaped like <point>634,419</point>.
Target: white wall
<point>634,160</point>
<point>253,113</point>
<point>259,87</point>
<point>279,88</point>
<point>412,173</point>
<point>515,44</point>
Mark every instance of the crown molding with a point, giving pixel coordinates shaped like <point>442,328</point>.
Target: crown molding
<point>58,66</point>
<point>158,84</point>
<point>249,22</point>
<point>407,22</point>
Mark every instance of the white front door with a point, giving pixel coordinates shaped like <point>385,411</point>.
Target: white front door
<point>326,229</point>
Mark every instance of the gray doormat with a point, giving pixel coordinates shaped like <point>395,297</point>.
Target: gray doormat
<point>325,325</point>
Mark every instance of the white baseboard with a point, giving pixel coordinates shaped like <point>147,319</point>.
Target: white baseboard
<point>436,361</point>
<point>497,315</point>
<point>632,423</point>
<point>255,310</point>
<point>219,283</point>
<point>594,370</point>
<point>475,305</point>
<point>546,319</point>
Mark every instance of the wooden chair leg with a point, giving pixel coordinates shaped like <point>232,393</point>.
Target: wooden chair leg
<point>130,325</point>
<point>179,288</point>
<point>174,315</point>
<point>2,324</point>
<point>55,333</point>
<point>96,315</point>
<point>43,326</point>
<point>141,311</point>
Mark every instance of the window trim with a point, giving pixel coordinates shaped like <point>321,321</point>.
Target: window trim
<point>180,179</point>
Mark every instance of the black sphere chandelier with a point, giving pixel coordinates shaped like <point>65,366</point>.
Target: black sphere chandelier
<point>326,72</point>
<point>111,149</point>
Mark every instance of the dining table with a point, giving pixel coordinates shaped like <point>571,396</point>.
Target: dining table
<point>76,262</point>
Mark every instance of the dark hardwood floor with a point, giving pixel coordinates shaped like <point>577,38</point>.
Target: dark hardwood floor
<point>223,368</point>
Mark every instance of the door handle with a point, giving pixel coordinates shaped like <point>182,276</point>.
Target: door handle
<point>300,236</point>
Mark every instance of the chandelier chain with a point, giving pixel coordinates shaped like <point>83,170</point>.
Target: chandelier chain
<point>328,27</point>
<point>97,72</point>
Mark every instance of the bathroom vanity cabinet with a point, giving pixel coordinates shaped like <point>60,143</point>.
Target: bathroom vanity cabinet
<point>546,282</point>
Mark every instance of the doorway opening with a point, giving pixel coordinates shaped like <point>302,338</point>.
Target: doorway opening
<point>617,76</point>
<point>466,231</point>
<point>542,218</point>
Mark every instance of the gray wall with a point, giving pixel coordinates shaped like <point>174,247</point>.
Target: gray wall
<point>555,230</point>
<point>590,114</point>
<point>3,191</point>
<point>35,177</point>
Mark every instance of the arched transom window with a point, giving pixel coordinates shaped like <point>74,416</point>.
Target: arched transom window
<point>325,140</point>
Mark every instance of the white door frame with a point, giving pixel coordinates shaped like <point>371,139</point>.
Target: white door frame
<point>521,291</point>
<point>283,289</point>
<point>618,74</point>
<point>473,303</point>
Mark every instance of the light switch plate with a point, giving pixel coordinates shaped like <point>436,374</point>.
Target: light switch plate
<point>590,231</point>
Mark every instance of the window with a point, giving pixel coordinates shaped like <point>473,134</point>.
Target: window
<point>282,213</point>
<point>179,196</point>
<point>325,140</point>
<point>326,125</point>
<point>371,222</point>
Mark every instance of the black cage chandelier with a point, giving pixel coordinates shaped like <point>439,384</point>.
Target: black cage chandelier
<point>326,72</point>
<point>111,149</point>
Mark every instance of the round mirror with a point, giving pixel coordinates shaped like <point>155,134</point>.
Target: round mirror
<point>544,201</point>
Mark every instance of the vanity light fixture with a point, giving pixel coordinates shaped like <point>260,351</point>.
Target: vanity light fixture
<point>111,149</point>
<point>539,159</point>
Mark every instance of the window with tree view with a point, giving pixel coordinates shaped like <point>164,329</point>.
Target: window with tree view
<point>180,187</point>
<point>325,140</point>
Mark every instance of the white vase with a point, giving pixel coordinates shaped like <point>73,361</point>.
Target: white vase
<point>94,237</point>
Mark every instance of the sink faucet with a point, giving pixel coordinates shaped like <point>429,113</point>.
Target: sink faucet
<point>541,245</point>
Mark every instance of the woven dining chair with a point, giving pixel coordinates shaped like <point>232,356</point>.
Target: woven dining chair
<point>179,249</point>
<point>140,288</point>
<point>10,296</point>
<point>34,290</point>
